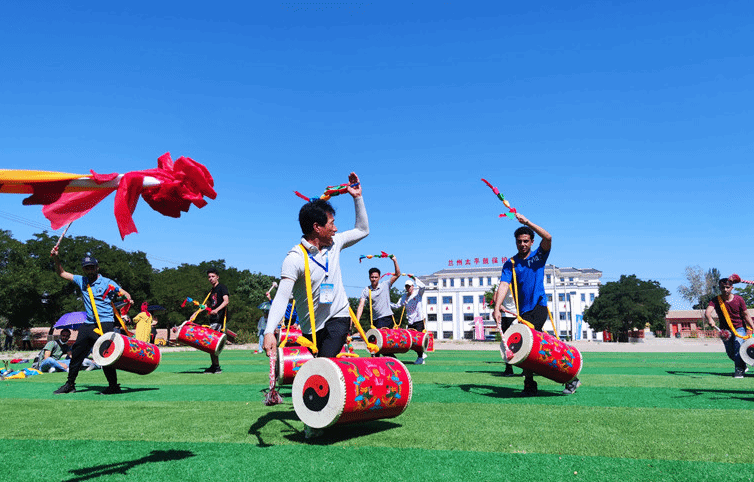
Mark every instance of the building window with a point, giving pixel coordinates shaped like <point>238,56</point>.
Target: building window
<point>549,279</point>
<point>481,300</point>
<point>463,281</point>
<point>563,316</point>
<point>470,284</point>
<point>568,296</point>
<point>489,281</point>
<point>431,300</point>
<point>583,296</point>
<point>591,296</point>
<point>486,316</point>
<point>444,283</point>
<point>570,278</point>
<point>468,317</point>
<point>448,335</point>
<point>452,282</point>
<point>562,280</point>
<point>447,300</point>
<point>432,317</point>
<point>561,297</point>
<point>468,299</point>
<point>481,281</point>
<point>549,298</point>
<point>447,317</point>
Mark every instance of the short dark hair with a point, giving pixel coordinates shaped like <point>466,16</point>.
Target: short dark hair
<point>65,330</point>
<point>213,270</point>
<point>725,281</point>
<point>524,230</point>
<point>374,270</point>
<point>315,211</point>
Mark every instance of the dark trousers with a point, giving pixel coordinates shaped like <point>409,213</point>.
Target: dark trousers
<point>332,337</point>
<point>84,342</point>
<point>384,322</point>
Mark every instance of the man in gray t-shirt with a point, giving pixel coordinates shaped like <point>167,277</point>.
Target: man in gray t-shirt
<point>378,295</point>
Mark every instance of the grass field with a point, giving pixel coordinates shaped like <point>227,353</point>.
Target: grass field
<point>637,416</point>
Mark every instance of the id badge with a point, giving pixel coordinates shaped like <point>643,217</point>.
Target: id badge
<point>326,293</point>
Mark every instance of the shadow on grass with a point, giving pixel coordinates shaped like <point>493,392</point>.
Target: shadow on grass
<point>744,396</point>
<point>698,374</point>
<point>494,391</point>
<point>497,373</point>
<point>124,390</point>
<point>123,467</point>
<point>341,433</point>
<point>284,417</point>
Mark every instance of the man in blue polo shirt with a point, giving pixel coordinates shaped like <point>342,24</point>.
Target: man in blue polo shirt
<point>92,286</point>
<point>530,286</point>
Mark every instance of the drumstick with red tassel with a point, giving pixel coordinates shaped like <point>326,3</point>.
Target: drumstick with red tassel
<point>272,397</point>
<point>734,278</point>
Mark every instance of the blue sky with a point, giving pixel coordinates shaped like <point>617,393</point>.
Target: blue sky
<point>624,128</point>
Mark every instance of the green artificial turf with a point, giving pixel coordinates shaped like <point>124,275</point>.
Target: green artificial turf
<point>637,416</point>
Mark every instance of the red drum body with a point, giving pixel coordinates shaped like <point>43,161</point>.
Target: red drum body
<point>201,338</point>
<point>329,391</point>
<point>125,353</point>
<point>389,340</point>
<point>419,340</point>
<point>289,361</point>
<point>292,336</point>
<point>541,353</point>
<point>747,351</point>
<point>431,343</point>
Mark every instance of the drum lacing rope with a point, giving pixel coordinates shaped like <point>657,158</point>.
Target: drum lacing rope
<point>726,315</point>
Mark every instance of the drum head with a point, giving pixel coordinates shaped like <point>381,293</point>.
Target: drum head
<point>319,393</point>
<point>747,351</point>
<point>520,341</point>
<point>374,336</point>
<point>107,349</point>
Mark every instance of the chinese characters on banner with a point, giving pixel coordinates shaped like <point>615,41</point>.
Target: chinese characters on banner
<point>477,261</point>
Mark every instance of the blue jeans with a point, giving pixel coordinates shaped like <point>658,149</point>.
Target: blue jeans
<point>52,362</point>
<point>733,348</point>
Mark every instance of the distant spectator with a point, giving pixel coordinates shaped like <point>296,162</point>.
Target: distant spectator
<point>8,332</point>
<point>26,339</point>
<point>51,359</point>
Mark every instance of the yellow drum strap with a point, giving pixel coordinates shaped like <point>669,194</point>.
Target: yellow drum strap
<point>97,330</point>
<point>515,297</point>
<point>288,331</point>
<point>370,346</point>
<point>724,309</point>
<point>312,345</point>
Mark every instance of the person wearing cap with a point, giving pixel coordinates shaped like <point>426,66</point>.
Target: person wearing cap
<point>92,285</point>
<point>412,300</point>
<point>378,294</point>
<point>731,311</point>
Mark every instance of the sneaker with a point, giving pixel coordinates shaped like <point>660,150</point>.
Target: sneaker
<point>67,388</point>
<point>112,390</point>
<point>214,369</point>
<point>310,433</point>
<point>509,371</point>
<point>571,386</point>
<point>424,355</point>
<point>419,361</point>
<point>739,373</point>
<point>530,388</point>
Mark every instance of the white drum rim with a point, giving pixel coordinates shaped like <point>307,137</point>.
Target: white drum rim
<point>742,351</point>
<point>378,340</point>
<point>279,371</point>
<point>330,414</point>
<point>527,341</point>
<point>114,338</point>
<point>221,343</point>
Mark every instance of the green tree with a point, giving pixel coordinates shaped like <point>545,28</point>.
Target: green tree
<point>626,304</point>
<point>747,293</point>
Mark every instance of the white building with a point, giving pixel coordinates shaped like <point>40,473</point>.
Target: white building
<point>454,297</point>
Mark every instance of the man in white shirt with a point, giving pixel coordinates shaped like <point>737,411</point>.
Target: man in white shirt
<point>412,300</point>
<point>378,296</point>
<point>319,249</point>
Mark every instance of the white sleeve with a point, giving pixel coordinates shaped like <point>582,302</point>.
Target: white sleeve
<point>361,225</point>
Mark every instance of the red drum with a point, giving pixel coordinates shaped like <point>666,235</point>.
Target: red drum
<point>201,338</point>
<point>125,353</point>
<point>292,336</point>
<point>431,343</point>
<point>289,361</point>
<point>419,340</point>
<point>327,391</point>
<point>541,353</point>
<point>390,340</point>
<point>747,351</point>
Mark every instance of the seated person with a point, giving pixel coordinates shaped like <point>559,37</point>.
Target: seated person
<point>53,352</point>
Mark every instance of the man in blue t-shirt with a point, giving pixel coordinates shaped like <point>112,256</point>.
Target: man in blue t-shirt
<point>92,286</point>
<point>530,287</point>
